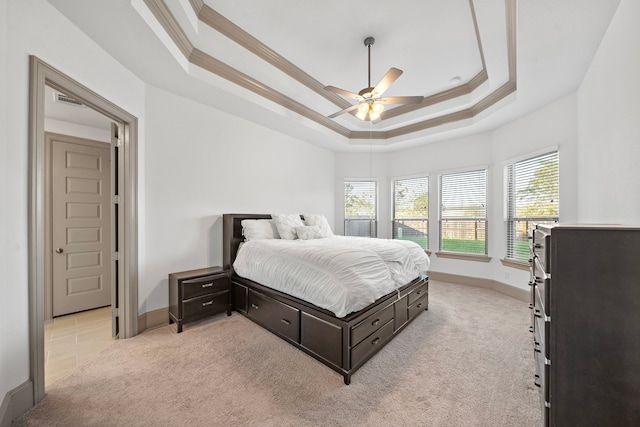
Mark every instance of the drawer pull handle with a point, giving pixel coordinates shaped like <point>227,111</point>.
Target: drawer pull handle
<point>419,305</point>
<point>530,306</point>
<point>376,341</point>
<point>531,329</point>
<point>207,285</point>
<point>255,306</point>
<point>204,304</point>
<point>536,380</point>
<point>537,313</point>
<point>375,322</point>
<point>537,246</point>
<point>285,321</point>
<point>419,292</point>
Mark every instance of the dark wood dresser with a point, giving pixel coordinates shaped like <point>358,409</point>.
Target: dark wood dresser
<point>195,294</point>
<point>585,303</point>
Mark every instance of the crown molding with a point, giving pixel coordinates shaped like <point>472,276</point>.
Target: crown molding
<point>216,21</point>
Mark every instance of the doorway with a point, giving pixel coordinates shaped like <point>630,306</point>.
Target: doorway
<point>123,259</point>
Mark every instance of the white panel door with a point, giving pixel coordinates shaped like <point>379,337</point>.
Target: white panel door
<point>81,227</point>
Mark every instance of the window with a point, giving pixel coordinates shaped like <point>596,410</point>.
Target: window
<point>411,210</point>
<point>531,197</point>
<point>463,212</point>
<point>360,208</point>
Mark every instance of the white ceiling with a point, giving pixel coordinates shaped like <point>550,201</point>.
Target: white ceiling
<point>432,41</point>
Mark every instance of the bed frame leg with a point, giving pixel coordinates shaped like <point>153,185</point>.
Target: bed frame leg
<point>347,379</point>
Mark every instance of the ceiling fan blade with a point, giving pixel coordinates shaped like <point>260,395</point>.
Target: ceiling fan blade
<point>343,92</point>
<point>401,100</point>
<point>346,110</point>
<point>387,80</point>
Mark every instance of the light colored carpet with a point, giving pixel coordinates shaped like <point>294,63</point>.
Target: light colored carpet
<point>466,362</point>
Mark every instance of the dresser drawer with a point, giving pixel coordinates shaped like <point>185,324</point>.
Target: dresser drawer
<point>371,324</point>
<point>204,305</point>
<point>418,306</point>
<point>371,344</point>
<point>204,285</point>
<point>541,379</point>
<point>418,293</point>
<point>541,243</point>
<point>542,283</point>
<point>274,315</point>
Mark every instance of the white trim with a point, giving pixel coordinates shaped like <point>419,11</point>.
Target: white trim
<point>485,166</point>
<point>530,155</point>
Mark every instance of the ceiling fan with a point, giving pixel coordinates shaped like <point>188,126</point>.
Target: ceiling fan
<point>370,102</point>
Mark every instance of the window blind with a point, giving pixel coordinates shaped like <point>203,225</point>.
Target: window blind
<point>411,210</point>
<point>463,212</point>
<point>360,208</point>
<point>531,197</point>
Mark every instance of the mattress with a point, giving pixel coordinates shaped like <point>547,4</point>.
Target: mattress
<point>340,274</point>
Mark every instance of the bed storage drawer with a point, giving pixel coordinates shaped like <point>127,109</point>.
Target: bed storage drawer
<point>371,324</point>
<point>371,344</point>
<point>274,315</point>
<point>419,292</point>
<point>418,306</point>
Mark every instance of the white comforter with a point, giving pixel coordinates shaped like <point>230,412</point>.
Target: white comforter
<point>340,274</point>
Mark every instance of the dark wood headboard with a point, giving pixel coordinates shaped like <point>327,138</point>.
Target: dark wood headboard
<point>232,235</point>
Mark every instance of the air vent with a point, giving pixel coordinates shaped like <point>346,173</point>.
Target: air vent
<point>64,99</point>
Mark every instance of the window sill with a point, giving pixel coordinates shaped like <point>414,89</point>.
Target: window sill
<point>520,265</point>
<point>465,257</point>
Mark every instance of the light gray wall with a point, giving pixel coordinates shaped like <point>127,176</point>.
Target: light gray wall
<point>201,163</point>
<point>609,124</point>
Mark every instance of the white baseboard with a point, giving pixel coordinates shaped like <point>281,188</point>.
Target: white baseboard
<point>15,403</point>
<point>153,319</point>
<point>503,288</point>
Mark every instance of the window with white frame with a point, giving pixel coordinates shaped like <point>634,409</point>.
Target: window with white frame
<point>531,197</point>
<point>411,210</point>
<point>463,212</point>
<point>360,208</point>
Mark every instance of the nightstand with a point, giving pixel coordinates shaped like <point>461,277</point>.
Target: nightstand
<point>195,294</point>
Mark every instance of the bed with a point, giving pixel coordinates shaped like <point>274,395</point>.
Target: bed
<point>343,342</point>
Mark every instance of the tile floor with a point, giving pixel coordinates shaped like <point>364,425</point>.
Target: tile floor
<point>73,339</point>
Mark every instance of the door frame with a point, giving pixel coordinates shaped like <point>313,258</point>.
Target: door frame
<point>41,74</point>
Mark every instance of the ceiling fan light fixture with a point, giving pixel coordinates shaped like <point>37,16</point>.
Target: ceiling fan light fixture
<point>370,98</point>
<point>363,110</point>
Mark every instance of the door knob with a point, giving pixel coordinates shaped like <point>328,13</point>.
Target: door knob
<point>59,250</point>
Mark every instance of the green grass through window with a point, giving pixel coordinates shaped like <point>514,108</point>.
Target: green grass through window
<point>464,246</point>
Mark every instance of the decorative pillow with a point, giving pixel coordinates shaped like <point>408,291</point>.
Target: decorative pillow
<point>321,222</point>
<point>309,232</point>
<point>286,225</point>
<point>255,229</point>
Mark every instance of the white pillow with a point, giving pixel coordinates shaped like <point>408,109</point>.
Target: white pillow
<point>255,229</point>
<point>321,222</point>
<point>309,232</point>
<point>286,225</point>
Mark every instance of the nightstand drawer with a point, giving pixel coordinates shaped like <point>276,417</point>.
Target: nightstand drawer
<point>204,305</point>
<point>204,285</point>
